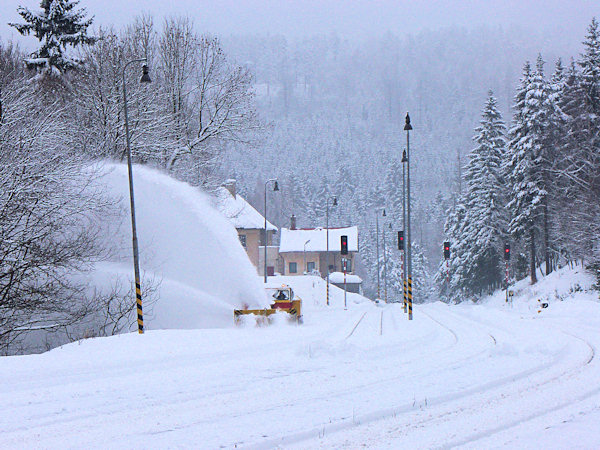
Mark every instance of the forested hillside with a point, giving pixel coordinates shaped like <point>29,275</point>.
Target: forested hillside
<point>334,111</point>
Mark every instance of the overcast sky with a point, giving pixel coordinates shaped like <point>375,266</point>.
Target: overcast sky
<point>561,21</point>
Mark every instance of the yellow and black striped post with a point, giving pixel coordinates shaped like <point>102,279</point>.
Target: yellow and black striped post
<point>404,303</point>
<point>140,314</point>
<point>410,312</point>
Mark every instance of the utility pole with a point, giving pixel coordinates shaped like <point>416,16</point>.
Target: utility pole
<point>136,258</point>
<point>327,239</point>
<point>407,128</point>
<point>377,245</point>
<point>275,188</point>
<point>404,271</point>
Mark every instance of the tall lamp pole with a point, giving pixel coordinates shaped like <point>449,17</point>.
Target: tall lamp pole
<point>404,271</point>
<point>136,260</point>
<point>334,203</point>
<point>407,128</point>
<point>304,252</point>
<point>377,245</point>
<point>275,188</point>
<point>384,260</point>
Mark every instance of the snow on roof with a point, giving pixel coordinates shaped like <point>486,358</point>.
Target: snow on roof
<point>338,278</point>
<point>239,212</point>
<point>294,240</point>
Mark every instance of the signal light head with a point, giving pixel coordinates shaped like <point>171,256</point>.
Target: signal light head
<point>344,245</point>
<point>401,240</point>
<point>446,250</point>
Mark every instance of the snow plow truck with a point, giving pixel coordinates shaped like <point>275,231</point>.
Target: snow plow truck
<point>284,300</point>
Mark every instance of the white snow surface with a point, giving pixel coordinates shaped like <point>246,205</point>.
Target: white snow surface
<point>186,246</point>
<point>294,240</point>
<point>239,212</point>
<point>489,375</point>
<point>338,277</point>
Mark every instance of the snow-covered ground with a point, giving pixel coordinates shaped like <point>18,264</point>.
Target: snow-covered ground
<point>478,376</point>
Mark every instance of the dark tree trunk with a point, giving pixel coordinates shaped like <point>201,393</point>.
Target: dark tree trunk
<point>547,238</point>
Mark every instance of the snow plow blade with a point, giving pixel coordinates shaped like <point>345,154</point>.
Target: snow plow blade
<point>292,307</point>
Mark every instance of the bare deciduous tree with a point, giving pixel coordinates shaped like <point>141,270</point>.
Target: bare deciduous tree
<point>49,217</point>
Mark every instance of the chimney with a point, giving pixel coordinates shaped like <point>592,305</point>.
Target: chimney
<point>230,186</point>
<point>293,222</point>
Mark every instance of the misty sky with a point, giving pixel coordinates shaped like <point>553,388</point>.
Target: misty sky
<point>559,22</point>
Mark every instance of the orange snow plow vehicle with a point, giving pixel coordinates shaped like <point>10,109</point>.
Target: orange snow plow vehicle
<point>284,301</point>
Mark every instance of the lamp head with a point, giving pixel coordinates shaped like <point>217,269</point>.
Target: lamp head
<point>407,125</point>
<point>334,201</point>
<point>145,75</point>
<point>276,187</point>
<point>404,158</point>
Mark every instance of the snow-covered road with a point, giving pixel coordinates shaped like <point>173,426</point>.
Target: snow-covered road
<point>456,375</point>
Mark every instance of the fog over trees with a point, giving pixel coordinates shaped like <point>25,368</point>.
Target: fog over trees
<point>335,110</point>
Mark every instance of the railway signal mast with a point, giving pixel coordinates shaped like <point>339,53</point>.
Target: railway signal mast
<point>344,252</point>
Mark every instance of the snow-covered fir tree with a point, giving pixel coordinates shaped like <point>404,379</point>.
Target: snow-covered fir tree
<point>526,169</point>
<point>476,226</point>
<point>57,26</point>
<point>484,226</point>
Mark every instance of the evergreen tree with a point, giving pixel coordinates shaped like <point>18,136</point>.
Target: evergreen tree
<point>454,230</point>
<point>57,26</point>
<point>477,225</point>
<point>393,187</point>
<point>421,278</point>
<point>485,222</point>
<point>344,189</point>
<point>527,168</point>
<point>319,205</point>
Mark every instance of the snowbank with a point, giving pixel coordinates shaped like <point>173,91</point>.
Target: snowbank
<point>186,246</point>
<point>565,284</point>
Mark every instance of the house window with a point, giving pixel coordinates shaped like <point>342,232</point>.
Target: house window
<point>293,267</point>
<point>243,240</point>
<point>310,267</point>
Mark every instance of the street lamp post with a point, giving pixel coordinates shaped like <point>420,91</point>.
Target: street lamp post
<point>404,271</point>
<point>275,189</point>
<point>304,252</point>
<point>136,261</point>
<point>407,128</point>
<point>334,203</point>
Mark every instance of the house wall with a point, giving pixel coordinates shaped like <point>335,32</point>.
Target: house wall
<point>298,258</point>
<point>272,259</point>
<point>335,260</point>
<point>320,258</point>
<point>253,246</point>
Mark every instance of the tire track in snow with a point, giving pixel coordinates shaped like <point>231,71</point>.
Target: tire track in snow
<point>539,413</point>
<point>357,420</point>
